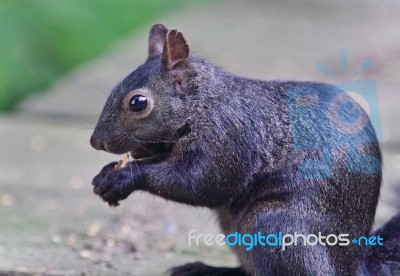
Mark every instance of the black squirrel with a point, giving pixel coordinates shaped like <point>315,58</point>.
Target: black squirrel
<point>266,156</point>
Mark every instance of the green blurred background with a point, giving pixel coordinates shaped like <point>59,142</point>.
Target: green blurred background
<point>42,39</point>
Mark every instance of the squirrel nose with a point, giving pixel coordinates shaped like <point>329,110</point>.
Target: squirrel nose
<point>96,143</point>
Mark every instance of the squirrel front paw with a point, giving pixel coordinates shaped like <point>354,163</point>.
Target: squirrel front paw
<point>113,184</point>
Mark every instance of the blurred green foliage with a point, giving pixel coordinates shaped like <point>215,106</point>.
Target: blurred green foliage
<point>41,39</point>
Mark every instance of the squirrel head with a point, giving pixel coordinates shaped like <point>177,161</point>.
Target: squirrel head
<point>146,113</point>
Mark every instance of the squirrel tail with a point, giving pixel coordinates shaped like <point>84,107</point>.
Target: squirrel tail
<point>384,260</point>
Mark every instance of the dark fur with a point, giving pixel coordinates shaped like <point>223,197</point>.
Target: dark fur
<point>240,160</point>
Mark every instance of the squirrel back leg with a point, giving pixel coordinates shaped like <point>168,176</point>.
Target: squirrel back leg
<point>384,260</point>
<point>200,269</point>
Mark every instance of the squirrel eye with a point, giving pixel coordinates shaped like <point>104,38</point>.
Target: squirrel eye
<point>137,103</point>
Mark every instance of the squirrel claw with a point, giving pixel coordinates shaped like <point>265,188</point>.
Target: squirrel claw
<point>113,185</point>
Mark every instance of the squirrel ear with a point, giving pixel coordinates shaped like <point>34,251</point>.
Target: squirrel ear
<point>157,39</point>
<point>175,56</point>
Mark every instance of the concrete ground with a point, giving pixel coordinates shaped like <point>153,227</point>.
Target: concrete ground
<point>51,224</point>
